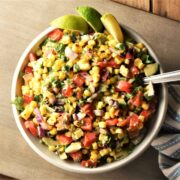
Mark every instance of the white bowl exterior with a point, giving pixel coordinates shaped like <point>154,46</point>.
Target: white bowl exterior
<point>75,167</point>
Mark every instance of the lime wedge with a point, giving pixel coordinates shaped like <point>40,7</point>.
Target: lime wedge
<point>112,26</point>
<point>71,22</point>
<point>92,16</point>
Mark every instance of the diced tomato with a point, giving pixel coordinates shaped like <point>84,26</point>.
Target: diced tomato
<point>146,114</point>
<point>32,57</point>
<point>87,126</point>
<point>87,108</point>
<point>78,80</point>
<point>76,156</point>
<point>124,86</point>
<point>28,70</point>
<point>27,78</point>
<point>89,138</point>
<point>137,99</point>
<point>105,75</point>
<point>112,63</point>
<point>27,98</point>
<point>134,122</point>
<point>124,122</point>
<point>55,35</point>
<point>30,125</point>
<point>111,122</point>
<point>79,94</point>
<point>88,163</point>
<point>129,56</point>
<point>67,92</point>
<point>134,71</point>
<point>64,140</point>
<point>102,64</point>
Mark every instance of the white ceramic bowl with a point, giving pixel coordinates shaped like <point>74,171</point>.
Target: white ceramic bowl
<point>153,126</point>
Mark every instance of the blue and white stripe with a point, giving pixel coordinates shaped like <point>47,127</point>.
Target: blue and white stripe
<point>168,144</point>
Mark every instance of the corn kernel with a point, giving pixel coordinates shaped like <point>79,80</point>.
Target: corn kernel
<point>33,104</point>
<point>141,118</point>
<point>78,133</point>
<point>25,90</point>
<point>127,61</point>
<point>119,131</point>
<point>145,106</point>
<point>100,105</point>
<point>103,138</point>
<point>87,93</point>
<point>66,40</point>
<point>109,37</point>
<point>107,115</point>
<point>57,65</point>
<point>76,48</point>
<point>102,124</point>
<point>26,113</point>
<point>62,75</point>
<point>112,43</point>
<point>96,78</point>
<point>108,51</point>
<point>43,109</point>
<point>138,62</point>
<point>118,59</point>
<point>53,118</point>
<point>91,42</point>
<point>82,43</point>
<point>124,71</point>
<point>51,148</point>
<point>111,112</point>
<point>53,131</point>
<point>116,71</point>
<point>44,76</point>
<point>95,124</point>
<point>35,121</point>
<point>61,149</point>
<point>104,152</point>
<point>94,145</point>
<point>63,156</point>
<point>84,66</point>
<point>94,155</point>
<point>140,45</point>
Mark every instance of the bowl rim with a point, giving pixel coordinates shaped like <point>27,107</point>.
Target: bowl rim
<point>71,168</point>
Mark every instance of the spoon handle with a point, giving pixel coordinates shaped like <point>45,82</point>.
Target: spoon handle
<point>164,77</point>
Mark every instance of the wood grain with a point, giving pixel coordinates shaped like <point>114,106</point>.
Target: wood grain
<point>167,8</point>
<point>20,22</point>
<point>140,4</point>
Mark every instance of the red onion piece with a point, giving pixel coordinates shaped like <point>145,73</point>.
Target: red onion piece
<point>70,53</point>
<point>40,131</point>
<point>38,115</point>
<point>98,112</point>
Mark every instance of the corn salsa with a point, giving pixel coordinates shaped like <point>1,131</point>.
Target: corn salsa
<point>83,96</point>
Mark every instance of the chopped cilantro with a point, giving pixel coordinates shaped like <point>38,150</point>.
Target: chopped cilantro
<point>38,98</point>
<point>121,46</point>
<point>18,102</point>
<point>60,48</point>
<point>76,68</point>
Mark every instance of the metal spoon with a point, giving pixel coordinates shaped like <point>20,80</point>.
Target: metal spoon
<point>172,76</point>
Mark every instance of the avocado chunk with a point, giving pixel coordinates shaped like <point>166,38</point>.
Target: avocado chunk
<point>121,101</point>
<point>50,142</point>
<point>151,69</point>
<point>149,91</point>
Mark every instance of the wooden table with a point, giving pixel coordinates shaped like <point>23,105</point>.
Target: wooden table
<point>165,8</point>
<point>20,22</point>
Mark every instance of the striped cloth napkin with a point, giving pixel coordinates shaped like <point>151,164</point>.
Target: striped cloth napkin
<point>168,140</point>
